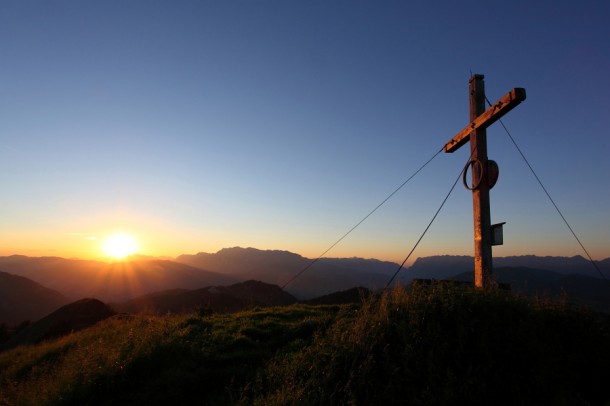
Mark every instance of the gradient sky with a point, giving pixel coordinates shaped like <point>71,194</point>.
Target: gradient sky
<point>198,125</point>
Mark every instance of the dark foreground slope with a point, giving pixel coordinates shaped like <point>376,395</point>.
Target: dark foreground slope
<point>448,345</point>
<point>433,345</point>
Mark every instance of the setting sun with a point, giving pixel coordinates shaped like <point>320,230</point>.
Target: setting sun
<point>119,245</point>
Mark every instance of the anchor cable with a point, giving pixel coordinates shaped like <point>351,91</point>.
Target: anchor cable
<point>430,223</point>
<point>361,221</point>
<point>552,201</point>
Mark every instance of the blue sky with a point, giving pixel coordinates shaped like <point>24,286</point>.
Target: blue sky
<point>199,125</point>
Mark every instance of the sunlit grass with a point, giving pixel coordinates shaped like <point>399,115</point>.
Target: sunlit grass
<point>156,360</point>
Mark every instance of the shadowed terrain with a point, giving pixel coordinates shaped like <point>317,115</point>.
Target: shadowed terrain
<point>67,319</point>
<point>209,299</point>
<point>22,299</point>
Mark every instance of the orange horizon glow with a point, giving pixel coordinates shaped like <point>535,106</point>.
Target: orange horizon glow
<point>165,243</point>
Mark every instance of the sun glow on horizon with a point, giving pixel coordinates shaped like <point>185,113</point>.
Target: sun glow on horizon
<point>119,245</point>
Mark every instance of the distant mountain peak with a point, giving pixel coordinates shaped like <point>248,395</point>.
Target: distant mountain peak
<point>251,250</point>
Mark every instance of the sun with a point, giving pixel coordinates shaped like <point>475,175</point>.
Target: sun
<point>119,245</point>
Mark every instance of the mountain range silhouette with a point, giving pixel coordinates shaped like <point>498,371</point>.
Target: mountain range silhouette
<point>52,281</point>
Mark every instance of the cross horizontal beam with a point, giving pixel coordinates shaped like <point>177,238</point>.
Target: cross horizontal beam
<point>509,101</point>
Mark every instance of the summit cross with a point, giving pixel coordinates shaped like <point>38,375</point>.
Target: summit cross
<point>484,171</point>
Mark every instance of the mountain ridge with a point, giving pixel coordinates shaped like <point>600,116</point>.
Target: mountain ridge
<point>71,317</point>
<point>121,281</point>
<point>323,276</point>
<point>110,282</point>
<point>23,299</point>
<point>217,299</point>
<point>442,266</point>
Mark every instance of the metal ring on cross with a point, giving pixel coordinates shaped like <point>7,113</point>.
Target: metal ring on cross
<point>470,163</point>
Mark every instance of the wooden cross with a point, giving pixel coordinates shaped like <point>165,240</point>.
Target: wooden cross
<point>484,171</point>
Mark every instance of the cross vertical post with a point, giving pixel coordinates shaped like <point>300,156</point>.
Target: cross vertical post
<point>480,194</point>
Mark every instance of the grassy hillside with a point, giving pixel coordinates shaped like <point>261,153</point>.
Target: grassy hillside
<point>156,360</point>
<point>448,345</point>
<point>432,345</point>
